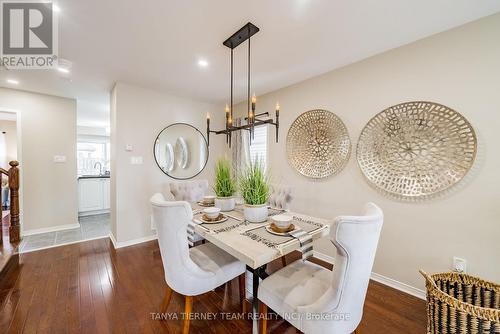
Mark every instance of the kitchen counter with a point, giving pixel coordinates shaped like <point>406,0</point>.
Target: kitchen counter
<point>93,177</point>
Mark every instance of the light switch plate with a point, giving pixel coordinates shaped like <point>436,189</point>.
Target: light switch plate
<point>59,158</point>
<point>136,160</point>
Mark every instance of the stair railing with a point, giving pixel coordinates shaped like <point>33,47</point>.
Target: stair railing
<point>13,175</point>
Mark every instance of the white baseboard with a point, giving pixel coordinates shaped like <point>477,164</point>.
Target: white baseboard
<point>93,213</point>
<point>399,285</point>
<point>381,279</point>
<point>132,242</point>
<point>50,229</point>
<point>323,257</point>
<point>59,245</point>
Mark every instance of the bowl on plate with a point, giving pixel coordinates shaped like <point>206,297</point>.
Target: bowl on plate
<point>212,213</point>
<point>208,199</point>
<point>282,221</point>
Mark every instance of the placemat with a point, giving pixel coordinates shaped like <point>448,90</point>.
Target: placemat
<point>230,224</point>
<point>260,234</point>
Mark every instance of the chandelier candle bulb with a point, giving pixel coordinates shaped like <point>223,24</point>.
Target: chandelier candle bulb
<point>226,110</point>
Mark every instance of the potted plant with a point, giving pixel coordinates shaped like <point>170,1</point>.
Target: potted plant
<point>224,186</point>
<point>255,190</point>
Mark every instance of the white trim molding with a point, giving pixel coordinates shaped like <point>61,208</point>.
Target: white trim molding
<point>398,285</point>
<point>59,245</point>
<point>132,242</point>
<point>50,229</point>
<point>403,287</point>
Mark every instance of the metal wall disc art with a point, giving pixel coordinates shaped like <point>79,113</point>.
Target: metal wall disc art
<point>317,144</point>
<point>416,149</point>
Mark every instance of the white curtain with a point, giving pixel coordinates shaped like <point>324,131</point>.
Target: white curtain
<point>240,148</point>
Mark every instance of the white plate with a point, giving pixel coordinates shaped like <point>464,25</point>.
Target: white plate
<point>223,219</point>
<point>284,234</point>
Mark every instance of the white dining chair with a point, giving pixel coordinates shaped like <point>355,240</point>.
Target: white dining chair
<point>280,197</point>
<point>316,300</point>
<point>190,271</point>
<point>190,191</point>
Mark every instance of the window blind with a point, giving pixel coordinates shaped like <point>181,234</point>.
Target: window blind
<point>258,147</point>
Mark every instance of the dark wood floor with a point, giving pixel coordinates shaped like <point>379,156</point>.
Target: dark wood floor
<point>91,288</point>
<point>8,250</point>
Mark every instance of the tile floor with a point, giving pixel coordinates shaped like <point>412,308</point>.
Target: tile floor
<point>91,227</point>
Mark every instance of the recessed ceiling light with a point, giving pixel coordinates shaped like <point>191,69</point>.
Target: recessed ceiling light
<point>202,63</point>
<point>63,70</point>
<point>13,82</point>
<point>56,8</point>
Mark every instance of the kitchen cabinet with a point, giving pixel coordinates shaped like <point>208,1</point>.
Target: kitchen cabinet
<point>93,195</point>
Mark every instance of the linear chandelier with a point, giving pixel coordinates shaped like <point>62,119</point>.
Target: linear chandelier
<point>253,119</point>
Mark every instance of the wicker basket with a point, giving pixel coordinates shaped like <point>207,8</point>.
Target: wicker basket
<point>462,304</point>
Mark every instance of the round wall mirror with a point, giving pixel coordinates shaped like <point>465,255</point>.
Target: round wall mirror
<point>181,151</point>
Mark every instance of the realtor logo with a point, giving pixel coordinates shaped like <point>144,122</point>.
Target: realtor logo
<point>28,35</point>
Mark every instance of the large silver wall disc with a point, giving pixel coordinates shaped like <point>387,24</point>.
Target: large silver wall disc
<point>416,149</point>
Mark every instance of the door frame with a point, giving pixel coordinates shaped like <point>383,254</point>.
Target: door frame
<point>18,114</point>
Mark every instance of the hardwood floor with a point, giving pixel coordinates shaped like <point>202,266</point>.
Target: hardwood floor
<point>8,250</point>
<point>91,288</point>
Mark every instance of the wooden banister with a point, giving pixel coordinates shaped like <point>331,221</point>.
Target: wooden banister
<point>13,175</point>
<point>15,228</point>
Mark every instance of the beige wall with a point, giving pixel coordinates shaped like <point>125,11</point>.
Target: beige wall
<point>10,136</point>
<point>48,128</point>
<point>459,68</point>
<point>137,116</point>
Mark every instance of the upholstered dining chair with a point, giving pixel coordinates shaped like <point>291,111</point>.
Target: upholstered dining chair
<point>190,191</point>
<point>190,271</point>
<point>316,300</point>
<point>280,198</point>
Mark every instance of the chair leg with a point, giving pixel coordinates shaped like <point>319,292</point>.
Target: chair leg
<point>187,313</point>
<point>166,299</point>
<point>283,261</point>
<point>262,318</point>
<point>241,281</point>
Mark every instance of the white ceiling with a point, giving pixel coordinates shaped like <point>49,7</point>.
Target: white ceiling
<point>157,43</point>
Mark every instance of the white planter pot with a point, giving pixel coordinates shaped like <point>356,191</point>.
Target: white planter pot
<point>225,203</point>
<point>255,213</point>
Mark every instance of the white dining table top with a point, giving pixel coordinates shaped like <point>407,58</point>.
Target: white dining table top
<point>253,253</point>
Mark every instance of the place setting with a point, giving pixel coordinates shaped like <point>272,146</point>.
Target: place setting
<point>207,201</point>
<point>280,225</point>
<point>212,215</point>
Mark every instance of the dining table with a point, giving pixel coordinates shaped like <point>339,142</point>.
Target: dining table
<point>255,244</point>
